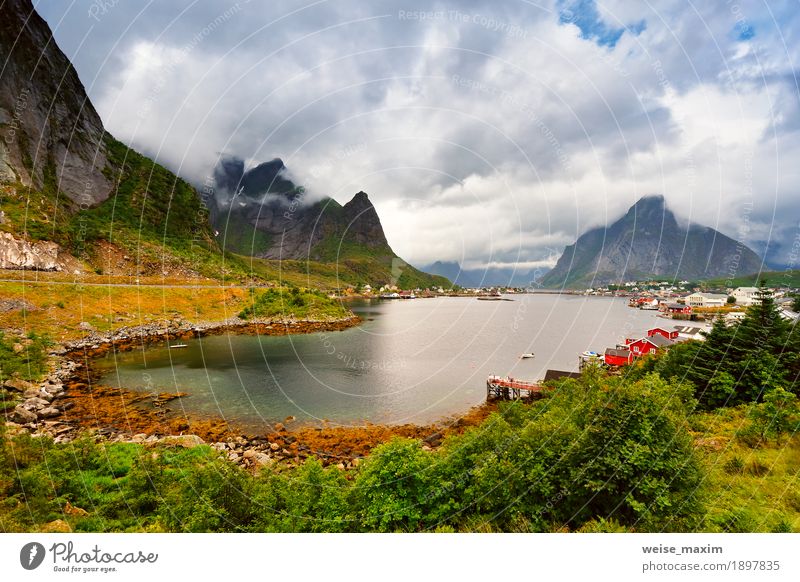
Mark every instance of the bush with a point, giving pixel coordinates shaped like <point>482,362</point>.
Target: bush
<point>782,525</point>
<point>30,363</point>
<point>281,303</point>
<point>211,496</point>
<point>777,415</point>
<point>734,466</point>
<point>309,499</point>
<point>392,490</point>
<point>738,521</point>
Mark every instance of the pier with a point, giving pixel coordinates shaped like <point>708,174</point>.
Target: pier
<point>507,388</point>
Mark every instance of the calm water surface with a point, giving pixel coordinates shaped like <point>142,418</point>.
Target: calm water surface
<point>410,361</point>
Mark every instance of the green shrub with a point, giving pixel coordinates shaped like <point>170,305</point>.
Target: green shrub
<point>738,521</point>
<point>308,499</point>
<point>734,466</point>
<point>391,490</point>
<point>30,363</point>
<point>308,303</point>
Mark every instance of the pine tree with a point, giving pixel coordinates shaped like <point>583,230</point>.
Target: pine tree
<point>763,327</point>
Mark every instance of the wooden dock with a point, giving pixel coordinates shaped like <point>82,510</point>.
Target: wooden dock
<point>506,388</point>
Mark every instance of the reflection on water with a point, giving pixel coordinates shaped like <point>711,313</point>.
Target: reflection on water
<point>410,361</point>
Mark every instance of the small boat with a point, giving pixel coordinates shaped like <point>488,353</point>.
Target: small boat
<point>528,355</point>
<point>175,346</point>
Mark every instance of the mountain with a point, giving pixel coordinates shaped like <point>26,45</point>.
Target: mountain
<point>107,209</point>
<point>52,132</point>
<point>649,242</point>
<point>65,180</point>
<point>488,277</point>
<point>453,271</point>
<point>262,213</point>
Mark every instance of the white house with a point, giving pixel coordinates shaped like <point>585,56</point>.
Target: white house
<point>686,332</point>
<point>745,296</point>
<point>734,316</point>
<point>706,300</point>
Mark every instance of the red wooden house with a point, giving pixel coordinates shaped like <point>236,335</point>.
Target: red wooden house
<point>618,356</point>
<point>657,338</point>
<point>670,335</point>
<point>648,345</point>
<point>676,308</point>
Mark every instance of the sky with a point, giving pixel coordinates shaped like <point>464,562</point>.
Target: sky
<point>491,133</point>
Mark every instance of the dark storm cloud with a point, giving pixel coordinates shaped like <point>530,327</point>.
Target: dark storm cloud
<point>483,131</point>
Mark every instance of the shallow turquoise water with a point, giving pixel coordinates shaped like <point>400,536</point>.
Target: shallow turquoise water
<point>410,361</point>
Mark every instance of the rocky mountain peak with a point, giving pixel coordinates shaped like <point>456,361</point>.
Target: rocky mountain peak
<point>651,214</point>
<point>363,224</point>
<point>648,242</point>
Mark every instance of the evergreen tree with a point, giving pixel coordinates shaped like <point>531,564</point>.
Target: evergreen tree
<point>763,328</point>
<point>740,362</point>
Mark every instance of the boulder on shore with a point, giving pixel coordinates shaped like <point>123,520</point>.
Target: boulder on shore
<point>22,415</point>
<point>187,441</point>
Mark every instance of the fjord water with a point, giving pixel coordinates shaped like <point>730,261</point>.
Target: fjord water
<point>411,361</point>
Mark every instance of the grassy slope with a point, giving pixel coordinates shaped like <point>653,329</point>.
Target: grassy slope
<point>358,264</point>
<point>298,303</point>
<point>158,219</point>
<point>789,278</point>
<point>749,489</point>
<point>151,215</point>
<point>59,309</point>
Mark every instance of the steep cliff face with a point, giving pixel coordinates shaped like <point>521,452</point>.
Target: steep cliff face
<point>64,180</point>
<point>51,131</point>
<point>361,223</point>
<point>648,241</point>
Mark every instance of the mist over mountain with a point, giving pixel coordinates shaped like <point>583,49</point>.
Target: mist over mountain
<point>261,212</point>
<point>647,242</point>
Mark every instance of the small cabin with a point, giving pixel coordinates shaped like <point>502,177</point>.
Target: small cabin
<point>677,308</point>
<point>670,335</point>
<point>618,356</point>
<point>648,345</point>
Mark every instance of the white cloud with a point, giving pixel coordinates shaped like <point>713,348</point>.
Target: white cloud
<point>475,144</point>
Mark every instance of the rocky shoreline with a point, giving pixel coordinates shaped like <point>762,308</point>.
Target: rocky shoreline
<point>69,403</point>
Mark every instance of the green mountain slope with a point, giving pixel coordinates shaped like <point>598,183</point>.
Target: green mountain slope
<point>64,179</point>
<point>262,213</point>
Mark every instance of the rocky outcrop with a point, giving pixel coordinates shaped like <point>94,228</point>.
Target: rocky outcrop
<point>649,242</point>
<point>48,123</point>
<point>21,254</point>
<point>361,223</point>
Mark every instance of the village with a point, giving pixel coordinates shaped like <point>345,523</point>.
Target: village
<point>697,309</point>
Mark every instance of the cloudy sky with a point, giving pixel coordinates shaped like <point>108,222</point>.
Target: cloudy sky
<point>485,132</point>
